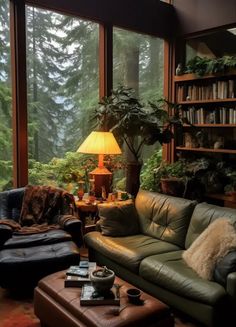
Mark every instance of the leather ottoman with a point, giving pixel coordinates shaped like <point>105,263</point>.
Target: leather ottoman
<point>24,267</point>
<point>57,306</point>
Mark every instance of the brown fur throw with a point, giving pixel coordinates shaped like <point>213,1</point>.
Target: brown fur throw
<point>34,229</point>
<point>212,245</point>
<point>42,203</point>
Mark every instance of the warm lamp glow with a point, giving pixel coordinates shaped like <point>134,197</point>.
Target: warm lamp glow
<point>100,143</point>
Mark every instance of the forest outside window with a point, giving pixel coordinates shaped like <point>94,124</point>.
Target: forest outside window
<point>63,86</point>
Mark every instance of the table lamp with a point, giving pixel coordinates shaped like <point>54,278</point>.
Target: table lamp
<point>100,143</point>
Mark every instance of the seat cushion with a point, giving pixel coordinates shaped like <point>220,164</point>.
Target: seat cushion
<point>128,251</point>
<point>169,271</point>
<point>49,237</point>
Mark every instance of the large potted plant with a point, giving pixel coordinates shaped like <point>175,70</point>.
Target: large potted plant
<point>135,124</point>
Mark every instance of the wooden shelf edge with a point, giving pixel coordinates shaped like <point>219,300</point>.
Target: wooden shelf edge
<point>206,150</point>
<point>210,125</point>
<point>192,77</point>
<point>207,101</point>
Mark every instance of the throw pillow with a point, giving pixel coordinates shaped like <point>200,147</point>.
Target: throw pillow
<point>210,246</point>
<point>118,219</point>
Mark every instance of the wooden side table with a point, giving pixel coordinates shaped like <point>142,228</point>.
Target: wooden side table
<point>86,210</point>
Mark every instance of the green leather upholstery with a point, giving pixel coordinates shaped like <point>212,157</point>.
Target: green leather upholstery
<point>152,259</point>
<point>164,217</point>
<point>203,215</point>
<point>128,251</point>
<point>169,271</point>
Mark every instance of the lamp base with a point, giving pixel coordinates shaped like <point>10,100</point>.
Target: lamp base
<point>102,178</point>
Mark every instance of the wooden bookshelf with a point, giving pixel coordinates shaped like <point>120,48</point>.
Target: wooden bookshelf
<point>194,77</point>
<point>182,148</point>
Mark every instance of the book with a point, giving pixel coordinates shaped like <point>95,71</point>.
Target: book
<point>89,296</point>
<point>77,281</point>
<point>81,270</point>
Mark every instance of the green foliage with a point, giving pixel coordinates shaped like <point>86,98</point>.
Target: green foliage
<point>202,66</point>
<point>127,117</point>
<point>148,172</point>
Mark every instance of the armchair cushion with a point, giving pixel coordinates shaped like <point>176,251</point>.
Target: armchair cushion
<point>224,267</point>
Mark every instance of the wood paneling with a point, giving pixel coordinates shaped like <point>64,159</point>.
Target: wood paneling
<point>19,95</point>
<point>200,15</point>
<point>146,16</point>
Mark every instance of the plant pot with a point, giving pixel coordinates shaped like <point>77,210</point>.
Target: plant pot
<point>102,279</point>
<point>133,170</point>
<point>172,186</point>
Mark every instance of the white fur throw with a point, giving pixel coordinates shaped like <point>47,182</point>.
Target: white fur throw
<point>211,246</point>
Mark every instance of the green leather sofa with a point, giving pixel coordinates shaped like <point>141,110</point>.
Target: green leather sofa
<point>152,258</point>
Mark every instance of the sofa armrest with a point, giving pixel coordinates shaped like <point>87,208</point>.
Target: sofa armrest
<point>231,285</point>
<point>73,226</point>
<point>5,233</point>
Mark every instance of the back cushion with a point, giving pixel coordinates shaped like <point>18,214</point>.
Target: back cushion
<point>164,217</point>
<point>203,215</point>
<point>11,203</point>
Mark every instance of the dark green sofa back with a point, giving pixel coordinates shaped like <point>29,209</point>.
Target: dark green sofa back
<point>203,215</point>
<point>164,217</point>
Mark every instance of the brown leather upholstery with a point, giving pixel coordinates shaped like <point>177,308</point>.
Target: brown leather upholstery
<point>51,297</point>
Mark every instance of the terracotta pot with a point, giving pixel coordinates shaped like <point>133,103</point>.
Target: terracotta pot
<point>172,186</point>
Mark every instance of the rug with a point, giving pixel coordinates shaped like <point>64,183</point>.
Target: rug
<point>17,310</point>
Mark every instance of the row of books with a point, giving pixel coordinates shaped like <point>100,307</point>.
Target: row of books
<point>78,276</point>
<point>213,91</point>
<point>220,115</point>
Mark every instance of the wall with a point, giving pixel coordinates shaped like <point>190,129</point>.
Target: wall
<point>200,15</point>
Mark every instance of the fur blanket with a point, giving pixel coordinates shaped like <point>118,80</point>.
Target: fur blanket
<point>43,208</point>
<point>42,203</point>
<point>210,246</point>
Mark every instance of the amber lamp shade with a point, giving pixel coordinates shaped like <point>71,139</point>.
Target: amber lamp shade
<point>100,143</point>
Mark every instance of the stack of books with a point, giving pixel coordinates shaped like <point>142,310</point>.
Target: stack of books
<point>89,296</point>
<point>76,276</point>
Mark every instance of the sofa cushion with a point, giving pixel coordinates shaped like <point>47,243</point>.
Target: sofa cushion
<point>203,215</point>
<point>118,219</point>
<point>211,246</point>
<point>128,251</point>
<point>49,237</point>
<point>169,271</point>
<point>164,217</point>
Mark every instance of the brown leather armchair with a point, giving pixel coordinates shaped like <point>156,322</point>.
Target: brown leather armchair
<point>53,244</point>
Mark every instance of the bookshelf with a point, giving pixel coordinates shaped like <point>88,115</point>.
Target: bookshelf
<point>208,104</point>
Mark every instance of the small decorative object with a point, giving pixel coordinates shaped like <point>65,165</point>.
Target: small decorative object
<point>219,143</point>
<point>179,69</point>
<point>104,195</point>
<point>81,190</point>
<point>202,139</point>
<point>102,279</point>
<point>134,295</point>
<point>190,141</point>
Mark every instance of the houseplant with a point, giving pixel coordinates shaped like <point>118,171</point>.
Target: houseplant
<point>135,124</point>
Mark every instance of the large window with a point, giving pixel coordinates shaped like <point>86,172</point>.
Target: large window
<point>138,62</point>
<point>6,170</point>
<point>62,80</point>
